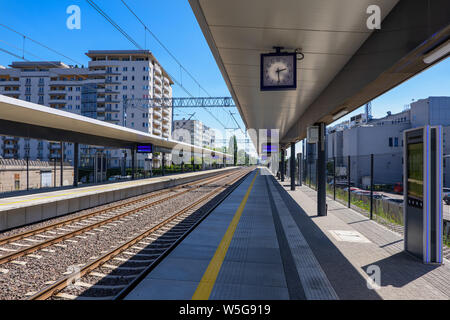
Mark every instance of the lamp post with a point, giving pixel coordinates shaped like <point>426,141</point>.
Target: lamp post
<point>27,157</point>
<point>182,162</point>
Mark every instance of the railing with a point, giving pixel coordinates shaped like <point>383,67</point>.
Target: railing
<point>370,184</point>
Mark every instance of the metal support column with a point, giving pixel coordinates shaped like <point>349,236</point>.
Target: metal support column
<point>54,176</point>
<point>371,186</point>
<point>321,173</point>
<point>300,169</point>
<point>28,172</point>
<point>133,166</point>
<point>75,164</point>
<point>334,178</point>
<point>62,164</point>
<point>348,183</point>
<point>282,165</point>
<point>163,164</point>
<point>292,169</point>
<point>203,162</point>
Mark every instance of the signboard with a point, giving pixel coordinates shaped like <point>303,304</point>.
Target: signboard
<point>269,148</point>
<point>144,148</point>
<point>422,197</point>
<point>312,134</point>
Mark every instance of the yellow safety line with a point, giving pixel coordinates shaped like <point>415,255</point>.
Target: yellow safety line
<point>122,184</point>
<point>74,192</point>
<point>206,284</point>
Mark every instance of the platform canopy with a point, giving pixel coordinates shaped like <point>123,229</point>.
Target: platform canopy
<point>345,63</point>
<point>29,120</point>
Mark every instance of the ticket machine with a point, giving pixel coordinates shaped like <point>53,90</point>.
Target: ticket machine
<point>422,209</point>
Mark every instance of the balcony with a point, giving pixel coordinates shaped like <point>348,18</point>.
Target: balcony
<point>10,146</point>
<point>60,105</point>
<point>165,134</point>
<point>166,111</point>
<point>9,82</point>
<point>166,126</point>
<point>158,70</point>
<point>157,89</point>
<point>57,91</point>
<point>156,131</point>
<point>157,114</point>
<point>156,122</point>
<point>12,95</point>
<point>166,82</point>
<point>9,155</point>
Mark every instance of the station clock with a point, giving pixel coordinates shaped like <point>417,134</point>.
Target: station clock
<point>278,71</point>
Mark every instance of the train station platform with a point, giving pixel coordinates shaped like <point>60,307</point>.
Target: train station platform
<point>265,242</point>
<point>35,207</point>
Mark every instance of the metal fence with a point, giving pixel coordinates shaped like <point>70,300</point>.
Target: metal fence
<point>372,184</point>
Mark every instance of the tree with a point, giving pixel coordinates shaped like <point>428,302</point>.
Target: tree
<point>234,147</point>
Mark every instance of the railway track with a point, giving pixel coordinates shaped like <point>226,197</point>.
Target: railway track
<point>117,271</point>
<point>47,236</point>
<point>44,253</point>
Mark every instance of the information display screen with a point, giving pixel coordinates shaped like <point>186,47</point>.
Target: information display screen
<point>144,148</point>
<point>415,170</point>
<point>269,148</point>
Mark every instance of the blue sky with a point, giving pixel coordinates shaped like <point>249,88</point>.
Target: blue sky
<point>172,21</point>
<point>175,25</point>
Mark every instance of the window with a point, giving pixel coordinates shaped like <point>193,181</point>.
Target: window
<point>69,97</point>
<point>77,98</point>
<point>132,115</point>
<point>390,142</point>
<point>77,89</point>
<point>132,78</point>
<point>125,88</point>
<point>132,68</point>
<point>395,142</point>
<point>132,124</point>
<point>124,78</point>
<point>124,69</point>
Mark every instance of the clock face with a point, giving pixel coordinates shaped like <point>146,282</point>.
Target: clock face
<point>278,71</point>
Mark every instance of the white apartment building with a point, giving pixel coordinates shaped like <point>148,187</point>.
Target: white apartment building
<point>98,91</point>
<point>201,135</point>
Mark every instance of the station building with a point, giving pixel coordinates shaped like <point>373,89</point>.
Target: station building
<point>383,138</point>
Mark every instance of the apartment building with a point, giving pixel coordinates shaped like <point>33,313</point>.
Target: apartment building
<point>113,88</point>
<point>200,134</point>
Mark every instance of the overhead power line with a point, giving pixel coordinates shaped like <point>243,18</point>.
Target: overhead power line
<point>39,43</point>
<point>182,67</point>
<point>111,21</point>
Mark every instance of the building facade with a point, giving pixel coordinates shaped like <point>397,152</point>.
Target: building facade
<point>108,90</point>
<point>200,134</point>
<point>384,139</point>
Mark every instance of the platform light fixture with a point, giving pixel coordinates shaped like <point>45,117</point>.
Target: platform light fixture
<point>438,53</point>
<point>339,114</point>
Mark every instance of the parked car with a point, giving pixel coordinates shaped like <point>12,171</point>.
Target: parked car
<point>398,187</point>
<point>395,200</point>
<point>446,195</point>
